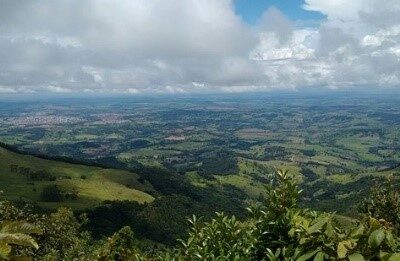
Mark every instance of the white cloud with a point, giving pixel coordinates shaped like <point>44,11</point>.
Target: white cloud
<point>349,49</point>
<point>171,89</point>
<point>300,46</point>
<point>109,45</point>
<point>338,9</point>
<point>273,21</point>
<point>7,90</point>
<point>176,46</point>
<point>57,89</point>
<point>198,85</point>
<point>133,91</point>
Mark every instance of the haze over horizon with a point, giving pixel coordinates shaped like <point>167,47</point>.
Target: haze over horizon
<point>191,46</point>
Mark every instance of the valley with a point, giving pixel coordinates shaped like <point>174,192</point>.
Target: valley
<point>331,143</point>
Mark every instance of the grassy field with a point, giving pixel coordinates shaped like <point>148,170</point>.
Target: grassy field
<point>92,185</point>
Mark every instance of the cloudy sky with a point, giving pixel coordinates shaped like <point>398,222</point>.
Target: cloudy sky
<point>186,46</point>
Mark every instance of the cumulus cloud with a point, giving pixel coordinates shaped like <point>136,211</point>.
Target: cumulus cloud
<point>178,46</point>
<point>122,45</point>
<point>351,48</point>
<point>275,22</point>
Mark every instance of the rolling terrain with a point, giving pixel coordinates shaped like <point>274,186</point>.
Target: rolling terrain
<point>186,156</point>
<point>23,177</point>
<point>156,203</point>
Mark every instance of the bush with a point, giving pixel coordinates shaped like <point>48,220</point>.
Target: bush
<point>16,233</point>
<point>309,174</point>
<point>383,203</point>
<point>222,237</point>
<point>121,246</point>
<point>219,163</point>
<point>279,230</point>
<point>51,194</point>
<point>61,236</point>
<point>309,153</point>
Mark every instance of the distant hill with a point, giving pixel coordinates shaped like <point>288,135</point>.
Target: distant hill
<point>25,177</point>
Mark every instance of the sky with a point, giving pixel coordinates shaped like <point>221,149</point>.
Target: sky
<point>198,46</point>
<point>252,11</point>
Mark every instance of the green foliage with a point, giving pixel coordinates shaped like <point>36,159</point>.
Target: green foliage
<point>273,218</point>
<point>279,230</point>
<point>61,234</point>
<point>309,153</point>
<point>309,174</point>
<point>121,246</point>
<point>16,233</point>
<point>220,162</point>
<point>63,237</point>
<point>24,177</point>
<point>383,202</point>
<point>221,237</point>
<point>51,193</point>
<point>281,194</point>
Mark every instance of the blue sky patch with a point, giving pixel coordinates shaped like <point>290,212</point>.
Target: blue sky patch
<point>252,10</point>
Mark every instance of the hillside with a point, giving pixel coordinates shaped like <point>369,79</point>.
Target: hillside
<point>276,229</point>
<point>52,182</point>
<point>24,177</point>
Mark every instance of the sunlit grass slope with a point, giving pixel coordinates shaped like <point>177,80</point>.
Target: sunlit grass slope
<point>92,185</point>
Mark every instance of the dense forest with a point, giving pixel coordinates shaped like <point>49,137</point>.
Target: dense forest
<point>276,229</point>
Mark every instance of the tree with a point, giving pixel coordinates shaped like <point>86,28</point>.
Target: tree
<point>51,193</point>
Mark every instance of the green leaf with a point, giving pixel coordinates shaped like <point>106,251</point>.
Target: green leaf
<point>342,250</point>
<point>18,239</point>
<point>4,250</point>
<point>329,230</point>
<point>344,247</point>
<point>319,256</point>
<point>356,257</point>
<point>390,239</point>
<point>307,255</point>
<point>303,240</point>
<point>376,238</point>
<point>359,231</point>
<point>292,232</point>
<point>21,227</point>
<point>316,227</point>
<point>394,257</point>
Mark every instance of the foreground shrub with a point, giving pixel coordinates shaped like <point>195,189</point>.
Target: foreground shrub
<point>222,237</point>
<point>61,237</point>
<point>383,203</point>
<point>279,230</point>
<point>121,246</point>
<point>16,233</point>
